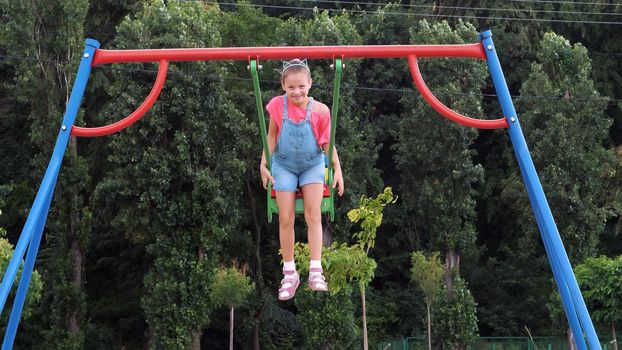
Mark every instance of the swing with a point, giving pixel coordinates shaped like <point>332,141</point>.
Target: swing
<point>28,245</point>
<point>328,200</point>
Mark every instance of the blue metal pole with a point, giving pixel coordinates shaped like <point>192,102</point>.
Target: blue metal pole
<point>38,213</point>
<point>562,285</point>
<point>24,282</point>
<point>543,214</point>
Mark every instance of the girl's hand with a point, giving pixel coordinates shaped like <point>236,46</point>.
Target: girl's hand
<point>338,182</point>
<point>265,176</point>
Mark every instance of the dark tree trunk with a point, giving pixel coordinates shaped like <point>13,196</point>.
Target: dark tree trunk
<point>452,263</point>
<point>365,341</point>
<point>327,232</point>
<point>231,314</point>
<point>150,338</point>
<point>614,340</point>
<point>429,324</point>
<point>196,339</point>
<point>258,271</point>
<point>198,332</point>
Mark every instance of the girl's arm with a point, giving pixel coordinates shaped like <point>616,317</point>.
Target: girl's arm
<point>263,168</point>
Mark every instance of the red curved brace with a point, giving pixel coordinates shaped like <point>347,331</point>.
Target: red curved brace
<point>444,110</point>
<point>132,118</point>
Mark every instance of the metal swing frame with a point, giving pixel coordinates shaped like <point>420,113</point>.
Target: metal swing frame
<point>28,244</point>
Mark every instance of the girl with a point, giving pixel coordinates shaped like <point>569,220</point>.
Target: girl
<point>299,131</point>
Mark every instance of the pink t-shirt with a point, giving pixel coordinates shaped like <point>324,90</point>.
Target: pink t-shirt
<point>320,122</point>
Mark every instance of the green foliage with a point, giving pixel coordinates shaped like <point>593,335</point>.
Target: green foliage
<point>567,139</point>
<point>600,280</point>
<point>185,159</point>
<point>370,213</point>
<point>427,272</point>
<point>34,290</point>
<point>455,321</point>
<point>50,35</point>
<point>179,298</point>
<point>247,27</point>
<point>230,287</point>
<point>343,264</point>
<point>434,155</point>
<point>384,310</point>
<point>280,328</point>
<point>328,319</point>
<point>173,192</point>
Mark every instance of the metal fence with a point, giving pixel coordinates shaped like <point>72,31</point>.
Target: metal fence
<point>486,343</point>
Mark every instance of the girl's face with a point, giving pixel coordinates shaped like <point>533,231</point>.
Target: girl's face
<point>296,85</point>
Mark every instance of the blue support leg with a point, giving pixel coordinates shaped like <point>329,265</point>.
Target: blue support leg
<point>38,213</point>
<point>24,282</point>
<point>564,291</point>
<point>544,217</point>
<point>562,285</point>
<point>34,216</point>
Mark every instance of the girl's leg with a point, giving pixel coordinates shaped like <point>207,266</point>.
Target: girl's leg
<point>286,202</point>
<point>313,194</point>
<point>290,282</point>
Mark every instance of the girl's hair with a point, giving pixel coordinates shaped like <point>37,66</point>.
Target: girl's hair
<point>294,66</point>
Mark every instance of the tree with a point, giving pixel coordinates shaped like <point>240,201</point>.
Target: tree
<point>568,142</point>
<point>455,325</point>
<point>427,272</point>
<point>184,159</point>
<point>245,27</point>
<point>328,318</point>
<point>567,135</point>
<point>369,214</point>
<point>600,280</point>
<point>51,36</point>
<point>231,287</point>
<point>434,154</point>
<point>344,263</point>
<point>575,125</point>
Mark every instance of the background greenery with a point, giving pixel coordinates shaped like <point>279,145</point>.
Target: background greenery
<point>141,219</point>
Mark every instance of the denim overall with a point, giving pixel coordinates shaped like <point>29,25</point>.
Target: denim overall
<point>297,149</point>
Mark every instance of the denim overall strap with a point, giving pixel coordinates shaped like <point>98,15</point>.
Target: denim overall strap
<point>308,115</point>
<point>296,147</point>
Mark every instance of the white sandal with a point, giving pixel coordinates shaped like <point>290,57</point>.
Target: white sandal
<point>317,282</point>
<point>289,284</point>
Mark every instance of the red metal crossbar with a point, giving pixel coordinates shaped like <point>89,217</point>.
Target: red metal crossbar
<point>411,52</point>
<point>270,53</point>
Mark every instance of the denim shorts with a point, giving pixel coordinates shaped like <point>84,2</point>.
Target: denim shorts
<point>288,181</point>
